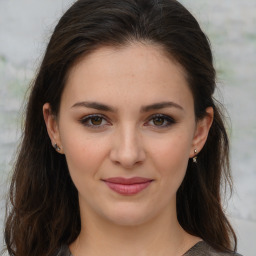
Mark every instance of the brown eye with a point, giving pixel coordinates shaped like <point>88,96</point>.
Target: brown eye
<point>158,121</point>
<point>97,120</point>
<point>94,121</point>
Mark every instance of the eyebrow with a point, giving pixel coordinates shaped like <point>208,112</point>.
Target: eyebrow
<point>161,105</point>
<point>95,105</point>
<point>104,107</point>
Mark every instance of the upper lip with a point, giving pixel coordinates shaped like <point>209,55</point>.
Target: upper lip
<point>125,181</point>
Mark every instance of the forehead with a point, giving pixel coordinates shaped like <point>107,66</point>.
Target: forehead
<point>138,71</point>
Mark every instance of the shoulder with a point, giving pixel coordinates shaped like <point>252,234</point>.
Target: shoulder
<point>199,249</point>
<point>204,249</point>
<point>63,251</point>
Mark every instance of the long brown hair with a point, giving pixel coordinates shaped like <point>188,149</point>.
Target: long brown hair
<point>43,212</point>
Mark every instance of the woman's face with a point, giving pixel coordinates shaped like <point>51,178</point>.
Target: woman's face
<point>127,113</point>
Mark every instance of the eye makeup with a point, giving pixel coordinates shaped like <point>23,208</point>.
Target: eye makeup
<point>96,121</point>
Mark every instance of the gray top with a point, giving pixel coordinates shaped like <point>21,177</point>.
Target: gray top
<point>199,249</point>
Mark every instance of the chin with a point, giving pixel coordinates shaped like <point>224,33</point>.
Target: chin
<point>128,216</point>
<point>128,220</point>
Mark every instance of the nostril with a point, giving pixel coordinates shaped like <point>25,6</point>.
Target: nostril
<point>127,149</point>
<point>127,161</point>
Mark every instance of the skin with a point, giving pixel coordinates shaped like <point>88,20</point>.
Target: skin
<point>127,143</point>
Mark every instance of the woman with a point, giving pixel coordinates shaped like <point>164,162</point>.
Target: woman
<point>124,148</point>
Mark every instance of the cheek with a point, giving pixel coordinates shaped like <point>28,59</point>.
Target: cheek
<point>84,154</point>
<point>171,156</point>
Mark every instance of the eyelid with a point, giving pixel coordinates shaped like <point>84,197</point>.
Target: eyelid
<point>84,119</point>
<point>169,119</point>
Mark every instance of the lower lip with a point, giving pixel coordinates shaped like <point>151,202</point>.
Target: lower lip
<point>130,189</point>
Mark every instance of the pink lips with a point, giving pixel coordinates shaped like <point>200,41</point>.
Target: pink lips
<point>128,186</point>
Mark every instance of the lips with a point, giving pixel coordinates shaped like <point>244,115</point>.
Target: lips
<point>129,186</point>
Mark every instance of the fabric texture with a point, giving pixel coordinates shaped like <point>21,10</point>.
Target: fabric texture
<point>199,249</point>
<point>204,249</point>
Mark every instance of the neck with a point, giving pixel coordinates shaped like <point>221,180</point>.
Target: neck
<point>160,236</point>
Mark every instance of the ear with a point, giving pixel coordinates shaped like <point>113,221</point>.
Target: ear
<point>52,127</point>
<point>201,132</point>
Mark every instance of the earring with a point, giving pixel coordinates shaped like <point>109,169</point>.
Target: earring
<point>56,147</point>
<point>195,157</point>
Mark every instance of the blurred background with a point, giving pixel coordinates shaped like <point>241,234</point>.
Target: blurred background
<point>25,28</point>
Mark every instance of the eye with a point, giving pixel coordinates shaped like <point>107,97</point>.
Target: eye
<point>94,121</point>
<point>160,121</point>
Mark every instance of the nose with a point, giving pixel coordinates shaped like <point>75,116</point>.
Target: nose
<point>127,149</point>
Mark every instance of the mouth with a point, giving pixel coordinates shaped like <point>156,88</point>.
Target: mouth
<point>129,186</point>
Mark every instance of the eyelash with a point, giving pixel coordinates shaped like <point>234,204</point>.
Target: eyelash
<point>167,120</point>
<point>86,119</point>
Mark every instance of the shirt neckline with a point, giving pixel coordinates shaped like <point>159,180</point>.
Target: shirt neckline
<point>188,251</point>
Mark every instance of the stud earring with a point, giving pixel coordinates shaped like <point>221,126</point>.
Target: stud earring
<point>195,157</point>
<point>56,147</point>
